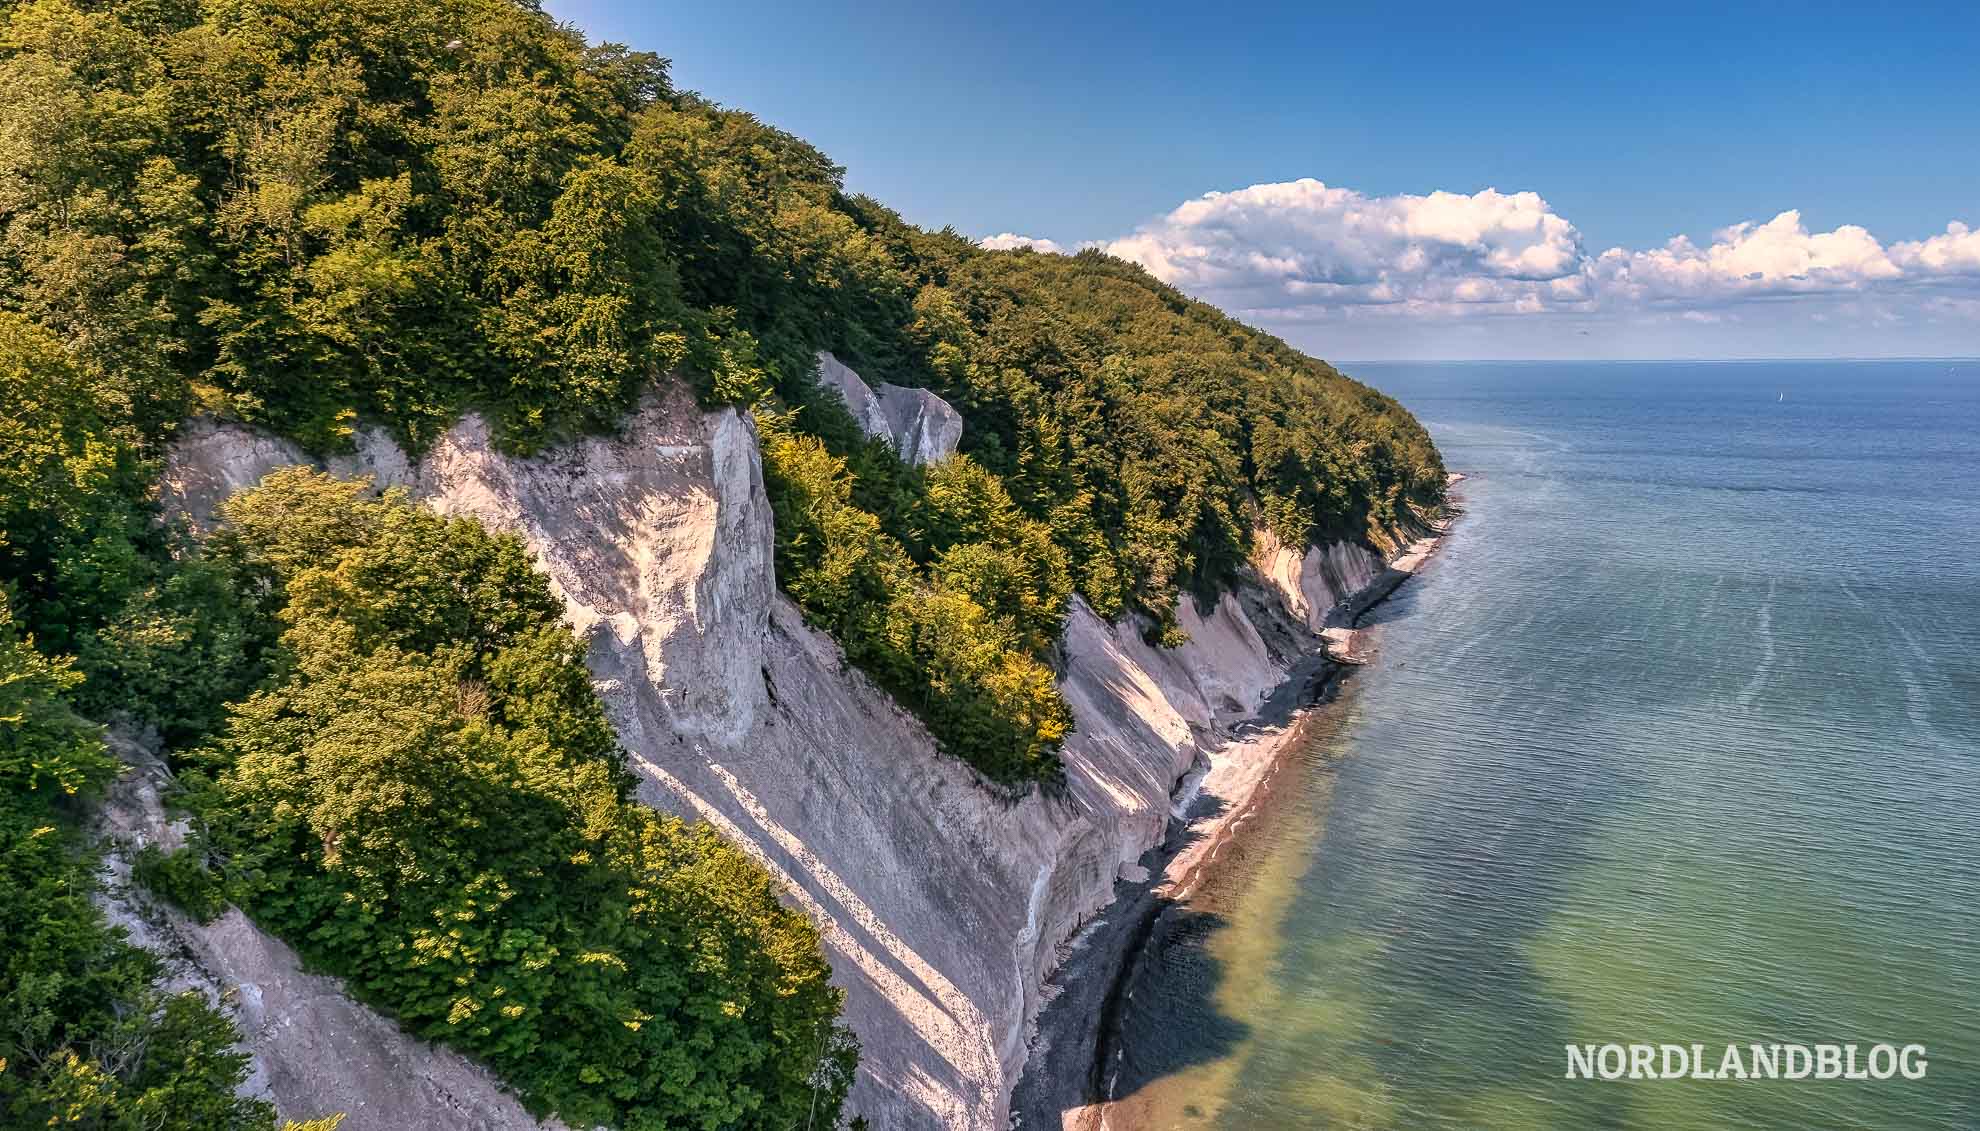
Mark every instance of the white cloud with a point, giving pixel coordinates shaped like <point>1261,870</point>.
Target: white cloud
<point>1749,260</point>
<point>1957,252</point>
<point>1008,241</point>
<point>1317,244</point>
<point>1303,250</point>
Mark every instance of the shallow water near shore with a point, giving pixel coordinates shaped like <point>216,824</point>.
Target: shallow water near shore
<point>1677,740</point>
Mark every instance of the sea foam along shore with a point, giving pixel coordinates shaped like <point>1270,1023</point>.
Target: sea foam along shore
<point>1067,1077</point>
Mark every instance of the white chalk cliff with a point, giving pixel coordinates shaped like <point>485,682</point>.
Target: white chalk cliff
<point>314,1051</point>
<point>1316,579</point>
<point>922,427</point>
<point>941,905</point>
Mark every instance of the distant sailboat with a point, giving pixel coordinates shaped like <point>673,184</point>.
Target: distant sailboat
<point>1780,398</point>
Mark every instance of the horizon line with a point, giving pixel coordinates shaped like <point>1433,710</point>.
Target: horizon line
<point>1973,358</point>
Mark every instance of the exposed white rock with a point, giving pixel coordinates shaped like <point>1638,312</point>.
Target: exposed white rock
<point>378,456</point>
<point>312,1050</point>
<point>211,459</point>
<point>942,905</point>
<point>866,409</point>
<point>659,545</point>
<point>923,427</point>
<point>920,425</point>
<point>1313,583</point>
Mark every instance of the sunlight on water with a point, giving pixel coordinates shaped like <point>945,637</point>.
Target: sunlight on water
<point>1675,742</point>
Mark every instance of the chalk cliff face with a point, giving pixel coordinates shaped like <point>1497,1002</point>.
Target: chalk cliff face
<point>1315,580</point>
<point>314,1050</point>
<point>920,425</point>
<point>942,906</point>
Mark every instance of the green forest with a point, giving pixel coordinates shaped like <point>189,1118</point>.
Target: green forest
<point>312,216</point>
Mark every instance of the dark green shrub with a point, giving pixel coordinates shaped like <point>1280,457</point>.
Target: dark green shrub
<point>182,879</point>
<point>431,804</point>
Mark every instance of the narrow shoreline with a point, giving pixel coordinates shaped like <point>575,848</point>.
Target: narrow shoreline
<point>1067,1077</point>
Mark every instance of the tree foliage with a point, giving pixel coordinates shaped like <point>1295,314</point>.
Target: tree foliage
<point>955,644</point>
<point>312,213</point>
<point>430,803</point>
<point>90,570</point>
<point>86,1040</point>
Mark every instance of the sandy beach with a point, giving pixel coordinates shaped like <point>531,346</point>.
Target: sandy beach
<point>1068,1076</point>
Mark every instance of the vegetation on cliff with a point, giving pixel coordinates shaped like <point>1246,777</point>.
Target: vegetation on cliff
<point>407,775</point>
<point>312,214</point>
<point>88,1041</point>
<point>410,778</point>
<point>427,798</point>
<point>308,214</point>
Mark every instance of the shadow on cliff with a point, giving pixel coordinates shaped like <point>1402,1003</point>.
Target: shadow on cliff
<point>1113,980</point>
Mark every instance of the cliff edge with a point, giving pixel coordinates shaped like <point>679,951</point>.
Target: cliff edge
<point>943,905</point>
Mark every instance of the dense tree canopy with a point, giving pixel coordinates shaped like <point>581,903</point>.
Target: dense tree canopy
<point>313,214</point>
<point>308,214</point>
<point>428,799</point>
<point>87,1041</point>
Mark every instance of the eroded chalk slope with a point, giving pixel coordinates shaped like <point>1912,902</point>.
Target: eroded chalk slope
<point>942,904</point>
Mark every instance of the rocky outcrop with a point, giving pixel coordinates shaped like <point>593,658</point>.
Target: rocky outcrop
<point>866,409</point>
<point>920,425</point>
<point>942,904</point>
<point>211,459</point>
<point>313,1051</point>
<point>925,429</point>
<point>1314,581</point>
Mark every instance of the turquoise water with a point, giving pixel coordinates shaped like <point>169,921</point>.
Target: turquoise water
<point>1676,741</point>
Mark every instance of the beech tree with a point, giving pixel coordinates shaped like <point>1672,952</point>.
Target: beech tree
<point>317,215</point>
<point>430,802</point>
<point>87,1041</point>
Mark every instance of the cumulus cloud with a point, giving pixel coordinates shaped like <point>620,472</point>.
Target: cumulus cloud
<point>1009,241</point>
<point>1322,245</point>
<point>1300,250</point>
<point>1955,253</point>
<point>1749,260</point>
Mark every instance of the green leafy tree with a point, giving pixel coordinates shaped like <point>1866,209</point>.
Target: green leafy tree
<point>309,214</point>
<point>431,804</point>
<point>312,215</point>
<point>87,1041</point>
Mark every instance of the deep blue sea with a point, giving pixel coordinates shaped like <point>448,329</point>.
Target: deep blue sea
<point>1677,740</point>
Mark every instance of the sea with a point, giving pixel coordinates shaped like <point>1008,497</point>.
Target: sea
<point>1675,741</point>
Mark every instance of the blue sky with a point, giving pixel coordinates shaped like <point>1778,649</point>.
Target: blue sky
<point>1372,132</point>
